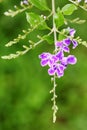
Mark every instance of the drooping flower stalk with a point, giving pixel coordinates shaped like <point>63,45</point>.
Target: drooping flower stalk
<point>58,62</point>
<point>55,108</point>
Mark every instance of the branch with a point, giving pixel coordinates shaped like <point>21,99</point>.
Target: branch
<point>55,108</point>
<point>26,32</point>
<point>20,53</point>
<point>13,13</point>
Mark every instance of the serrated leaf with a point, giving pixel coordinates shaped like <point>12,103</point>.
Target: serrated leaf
<point>59,18</point>
<point>36,20</point>
<point>49,39</point>
<point>69,9</point>
<point>40,4</point>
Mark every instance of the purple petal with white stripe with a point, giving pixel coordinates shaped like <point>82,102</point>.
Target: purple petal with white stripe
<point>51,71</point>
<point>44,55</point>
<point>75,44</point>
<point>59,55</point>
<point>64,61</point>
<point>71,59</point>
<point>66,49</point>
<point>67,41</point>
<point>72,32</point>
<point>59,44</point>
<point>44,62</point>
<point>59,73</point>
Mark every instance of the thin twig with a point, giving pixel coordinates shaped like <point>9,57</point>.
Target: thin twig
<point>55,108</point>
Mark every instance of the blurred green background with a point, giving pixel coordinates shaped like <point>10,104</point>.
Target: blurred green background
<point>25,102</point>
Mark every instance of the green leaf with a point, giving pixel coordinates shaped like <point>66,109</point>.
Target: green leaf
<point>48,38</point>
<point>40,4</point>
<point>61,37</point>
<point>59,18</point>
<point>69,9</point>
<point>36,21</point>
<point>62,34</point>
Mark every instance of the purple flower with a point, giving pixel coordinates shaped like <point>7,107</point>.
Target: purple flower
<point>64,61</point>
<point>71,59</point>
<point>57,69</point>
<point>67,41</point>
<point>64,44</point>
<point>59,55</point>
<point>61,46</point>
<point>58,62</point>
<point>44,58</point>
<point>48,59</point>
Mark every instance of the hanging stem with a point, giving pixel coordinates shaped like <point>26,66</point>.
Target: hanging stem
<point>55,108</point>
<point>54,25</point>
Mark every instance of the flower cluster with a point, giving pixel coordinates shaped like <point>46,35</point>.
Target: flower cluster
<point>58,62</point>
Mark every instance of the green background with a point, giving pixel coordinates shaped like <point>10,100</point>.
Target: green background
<point>25,101</point>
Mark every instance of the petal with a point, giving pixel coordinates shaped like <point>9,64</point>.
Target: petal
<point>64,61</point>
<point>72,32</point>
<point>59,44</point>
<point>71,59</point>
<point>55,58</point>
<point>75,44</point>
<point>51,71</point>
<point>50,62</point>
<point>44,62</point>
<point>44,55</point>
<point>60,55</point>
<point>59,73</point>
<point>67,41</point>
<point>66,49</point>
<point>61,67</point>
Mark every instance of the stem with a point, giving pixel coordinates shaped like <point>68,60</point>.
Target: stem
<point>55,108</point>
<point>54,25</point>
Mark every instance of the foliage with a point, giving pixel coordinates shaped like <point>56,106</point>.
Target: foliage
<point>40,21</point>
